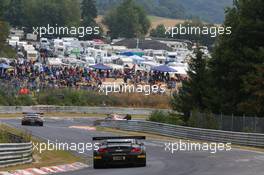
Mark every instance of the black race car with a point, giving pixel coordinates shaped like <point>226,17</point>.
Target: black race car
<point>114,151</point>
<point>32,119</point>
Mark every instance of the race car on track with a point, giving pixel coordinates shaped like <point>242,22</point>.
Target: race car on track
<point>118,117</point>
<point>32,119</point>
<point>115,151</point>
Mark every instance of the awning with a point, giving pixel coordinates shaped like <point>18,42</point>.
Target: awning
<point>163,68</point>
<point>4,66</point>
<point>101,67</point>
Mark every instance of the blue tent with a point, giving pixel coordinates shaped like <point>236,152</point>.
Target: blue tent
<point>4,66</point>
<point>101,67</point>
<point>163,68</point>
<point>127,54</point>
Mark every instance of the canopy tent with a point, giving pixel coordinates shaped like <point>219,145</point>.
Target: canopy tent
<point>4,66</point>
<point>137,58</point>
<point>101,67</point>
<point>132,53</point>
<point>163,68</point>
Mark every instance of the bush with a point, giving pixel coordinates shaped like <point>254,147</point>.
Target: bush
<point>165,117</point>
<point>72,97</point>
<point>203,120</point>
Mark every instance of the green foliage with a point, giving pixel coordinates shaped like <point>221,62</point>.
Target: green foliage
<point>234,71</point>
<point>206,10</point>
<point>32,13</point>
<point>193,92</point>
<point>159,31</point>
<point>165,117</point>
<point>89,11</point>
<point>14,15</point>
<point>205,120</point>
<point>24,100</point>
<point>204,39</point>
<point>232,80</point>
<point>127,20</point>
<point>5,51</point>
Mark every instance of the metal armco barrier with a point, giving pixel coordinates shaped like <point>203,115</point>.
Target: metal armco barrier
<point>15,153</point>
<point>237,138</point>
<point>77,109</point>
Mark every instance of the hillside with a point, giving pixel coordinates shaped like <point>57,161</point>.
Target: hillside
<point>155,21</point>
<point>206,10</point>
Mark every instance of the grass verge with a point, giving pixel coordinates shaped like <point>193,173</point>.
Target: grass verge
<point>47,158</point>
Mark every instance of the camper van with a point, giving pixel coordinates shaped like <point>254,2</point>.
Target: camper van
<point>32,55</point>
<point>44,42</point>
<point>89,60</point>
<point>148,65</point>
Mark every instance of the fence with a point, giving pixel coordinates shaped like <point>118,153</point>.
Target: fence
<point>77,109</point>
<point>231,123</point>
<point>15,153</point>
<point>239,138</point>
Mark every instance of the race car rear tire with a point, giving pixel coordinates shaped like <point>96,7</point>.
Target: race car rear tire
<point>96,165</point>
<point>41,124</point>
<point>141,164</point>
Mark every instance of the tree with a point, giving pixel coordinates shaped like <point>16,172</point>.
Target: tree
<point>233,69</point>
<point>192,93</point>
<point>159,31</point>
<point>88,14</point>
<point>15,13</point>
<point>127,20</point>
<point>254,86</point>
<point>88,11</point>
<point>55,13</point>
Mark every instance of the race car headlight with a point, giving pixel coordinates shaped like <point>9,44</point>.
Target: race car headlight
<point>97,157</point>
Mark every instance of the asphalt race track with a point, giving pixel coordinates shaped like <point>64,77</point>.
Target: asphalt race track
<point>159,162</point>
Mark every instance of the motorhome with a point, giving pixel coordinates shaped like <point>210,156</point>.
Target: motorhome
<point>32,55</point>
<point>172,57</point>
<point>148,65</point>
<point>16,33</point>
<point>13,41</point>
<point>44,43</point>
<point>89,60</point>
<point>31,37</point>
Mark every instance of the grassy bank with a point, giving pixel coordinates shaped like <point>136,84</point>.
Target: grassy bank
<point>70,97</point>
<point>47,158</point>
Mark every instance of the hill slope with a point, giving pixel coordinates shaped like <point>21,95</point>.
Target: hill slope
<point>207,10</point>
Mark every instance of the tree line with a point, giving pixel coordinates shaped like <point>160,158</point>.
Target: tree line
<point>232,81</point>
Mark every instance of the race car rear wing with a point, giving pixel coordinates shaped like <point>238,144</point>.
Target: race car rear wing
<point>120,137</point>
<point>27,113</point>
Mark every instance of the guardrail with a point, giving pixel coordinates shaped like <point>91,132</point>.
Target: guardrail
<point>15,153</point>
<point>237,138</point>
<point>77,109</point>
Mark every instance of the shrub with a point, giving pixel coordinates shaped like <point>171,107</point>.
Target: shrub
<point>165,117</point>
<point>203,120</point>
